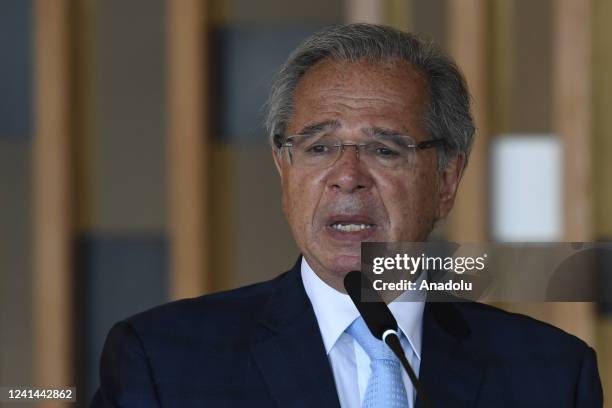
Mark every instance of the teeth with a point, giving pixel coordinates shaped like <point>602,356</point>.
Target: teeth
<point>350,227</point>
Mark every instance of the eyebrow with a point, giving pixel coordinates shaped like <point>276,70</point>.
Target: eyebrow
<point>374,132</point>
<point>319,127</point>
<point>387,134</point>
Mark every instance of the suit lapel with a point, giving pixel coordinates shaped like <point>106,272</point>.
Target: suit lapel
<point>450,374</point>
<point>289,351</point>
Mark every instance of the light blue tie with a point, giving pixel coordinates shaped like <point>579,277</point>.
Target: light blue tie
<point>385,386</point>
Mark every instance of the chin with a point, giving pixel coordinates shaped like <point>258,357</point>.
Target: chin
<point>340,265</point>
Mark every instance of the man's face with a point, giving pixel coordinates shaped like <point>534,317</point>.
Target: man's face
<point>327,208</point>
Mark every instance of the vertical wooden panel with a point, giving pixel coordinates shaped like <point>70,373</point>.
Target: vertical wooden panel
<point>571,102</point>
<point>52,198</point>
<point>82,70</point>
<point>602,119</point>
<point>467,43</point>
<point>365,11</point>
<point>504,25</point>
<point>400,14</point>
<point>187,147</point>
<point>533,33</point>
<point>572,122</point>
<point>572,111</point>
<point>602,130</point>
<point>501,46</point>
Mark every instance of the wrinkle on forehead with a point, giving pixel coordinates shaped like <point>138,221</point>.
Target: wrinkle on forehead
<point>369,75</point>
<point>357,94</point>
<point>362,90</point>
<point>354,100</point>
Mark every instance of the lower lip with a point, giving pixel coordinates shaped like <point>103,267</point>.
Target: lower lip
<point>352,236</point>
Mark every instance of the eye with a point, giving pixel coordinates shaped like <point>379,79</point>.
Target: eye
<point>385,151</point>
<point>318,148</point>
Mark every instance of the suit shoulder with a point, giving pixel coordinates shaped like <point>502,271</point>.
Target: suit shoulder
<point>205,316</point>
<point>518,332</point>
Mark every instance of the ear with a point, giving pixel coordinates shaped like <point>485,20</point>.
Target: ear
<point>449,183</point>
<point>278,161</point>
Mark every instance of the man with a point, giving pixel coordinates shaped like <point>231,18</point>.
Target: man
<point>371,130</point>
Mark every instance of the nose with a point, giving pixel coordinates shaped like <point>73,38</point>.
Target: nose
<point>349,174</point>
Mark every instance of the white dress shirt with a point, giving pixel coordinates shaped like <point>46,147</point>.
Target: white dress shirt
<point>350,364</point>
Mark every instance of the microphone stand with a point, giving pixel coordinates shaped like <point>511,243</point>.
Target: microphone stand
<point>390,338</point>
<point>381,322</point>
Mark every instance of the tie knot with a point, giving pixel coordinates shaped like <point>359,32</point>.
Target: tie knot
<point>374,348</point>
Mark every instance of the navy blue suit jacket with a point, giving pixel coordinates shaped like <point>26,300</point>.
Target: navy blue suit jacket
<point>260,346</point>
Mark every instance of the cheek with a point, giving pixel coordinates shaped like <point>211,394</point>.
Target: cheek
<point>299,199</point>
<point>411,204</point>
<point>290,199</point>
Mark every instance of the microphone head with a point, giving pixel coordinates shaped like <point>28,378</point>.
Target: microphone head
<point>375,312</point>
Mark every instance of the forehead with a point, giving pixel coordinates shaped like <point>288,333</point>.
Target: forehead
<point>362,93</point>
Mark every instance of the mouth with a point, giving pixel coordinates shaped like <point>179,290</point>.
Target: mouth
<point>352,228</point>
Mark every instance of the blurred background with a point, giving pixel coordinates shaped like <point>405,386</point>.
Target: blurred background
<point>134,167</point>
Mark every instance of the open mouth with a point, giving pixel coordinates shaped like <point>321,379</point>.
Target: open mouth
<point>353,224</point>
<point>351,227</point>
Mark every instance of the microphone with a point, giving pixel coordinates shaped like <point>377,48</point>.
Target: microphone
<point>382,324</point>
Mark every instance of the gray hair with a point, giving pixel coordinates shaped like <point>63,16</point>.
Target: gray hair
<point>448,116</point>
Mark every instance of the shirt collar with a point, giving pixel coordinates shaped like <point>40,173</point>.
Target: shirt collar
<point>335,311</point>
